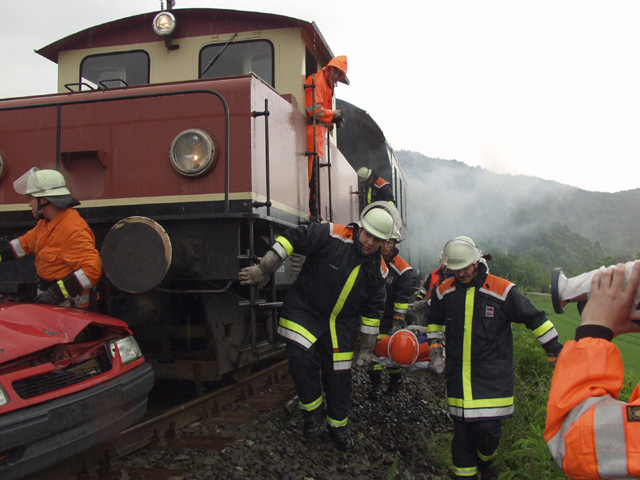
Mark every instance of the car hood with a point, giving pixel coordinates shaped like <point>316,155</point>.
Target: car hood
<point>28,328</point>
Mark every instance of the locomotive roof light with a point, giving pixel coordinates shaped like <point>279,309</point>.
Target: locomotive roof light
<point>193,153</point>
<point>164,24</point>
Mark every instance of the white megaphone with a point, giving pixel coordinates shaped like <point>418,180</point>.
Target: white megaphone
<point>577,289</point>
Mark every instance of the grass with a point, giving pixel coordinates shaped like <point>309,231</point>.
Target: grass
<point>523,453</point>
<point>566,323</point>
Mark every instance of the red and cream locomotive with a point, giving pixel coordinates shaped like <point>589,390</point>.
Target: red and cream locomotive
<point>183,134</point>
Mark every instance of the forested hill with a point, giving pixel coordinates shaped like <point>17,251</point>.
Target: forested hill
<point>449,198</point>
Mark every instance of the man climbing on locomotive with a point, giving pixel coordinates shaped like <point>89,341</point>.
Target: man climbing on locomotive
<point>320,325</point>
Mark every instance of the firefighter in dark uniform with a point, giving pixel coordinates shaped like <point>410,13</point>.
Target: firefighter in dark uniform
<point>395,310</point>
<point>474,311</point>
<point>434,279</point>
<point>375,188</point>
<point>340,290</point>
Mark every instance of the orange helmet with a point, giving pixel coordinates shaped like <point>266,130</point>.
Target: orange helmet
<point>403,348</point>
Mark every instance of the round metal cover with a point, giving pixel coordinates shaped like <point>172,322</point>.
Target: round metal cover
<point>136,254</point>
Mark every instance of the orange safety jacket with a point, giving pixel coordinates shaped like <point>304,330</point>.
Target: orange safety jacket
<point>63,247</point>
<point>435,278</point>
<point>591,434</point>
<point>320,108</point>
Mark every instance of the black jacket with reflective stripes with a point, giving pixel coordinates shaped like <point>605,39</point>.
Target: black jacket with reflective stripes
<point>476,321</point>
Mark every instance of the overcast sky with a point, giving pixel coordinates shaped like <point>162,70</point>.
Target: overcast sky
<point>543,88</point>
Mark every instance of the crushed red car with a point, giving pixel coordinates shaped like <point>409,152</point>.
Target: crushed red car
<point>69,379</point>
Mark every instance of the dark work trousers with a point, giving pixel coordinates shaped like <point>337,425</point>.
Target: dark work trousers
<point>474,444</point>
<point>314,367</point>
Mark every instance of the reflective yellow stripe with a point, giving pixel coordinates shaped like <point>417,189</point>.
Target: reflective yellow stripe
<point>286,244</point>
<point>371,322</point>
<point>466,345</point>
<point>465,471</point>
<point>337,308</point>
<point>481,403</point>
<point>342,356</point>
<point>542,329</point>
<point>369,195</point>
<point>337,423</point>
<point>486,458</point>
<point>298,329</point>
<point>435,327</point>
<point>401,306</point>
<point>63,289</point>
<point>311,406</point>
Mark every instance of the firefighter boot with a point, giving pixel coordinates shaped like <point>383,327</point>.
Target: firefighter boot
<point>313,423</point>
<point>489,474</point>
<point>395,383</point>
<point>376,385</point>
<point>342,438</point>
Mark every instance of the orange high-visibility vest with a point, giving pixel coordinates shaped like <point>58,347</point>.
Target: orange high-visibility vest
<point>591,434</point>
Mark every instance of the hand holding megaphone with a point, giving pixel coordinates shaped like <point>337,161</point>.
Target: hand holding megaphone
<point>578,288</point>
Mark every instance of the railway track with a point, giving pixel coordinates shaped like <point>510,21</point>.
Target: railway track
<point>261,391</point>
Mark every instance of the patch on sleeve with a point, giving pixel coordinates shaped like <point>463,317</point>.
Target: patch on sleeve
<point>633,413</point>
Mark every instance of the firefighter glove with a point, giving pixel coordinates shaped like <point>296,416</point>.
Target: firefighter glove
<point>365,353</point>
<point>553,349</point>
<point>259,274</point>
<point>436,356</point>
<point>51,296</point>
<point>418,305</point>
<point>417,329</point>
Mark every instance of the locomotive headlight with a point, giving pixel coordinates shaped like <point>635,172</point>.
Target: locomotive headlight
<point>193,153</point>
<point>164,24</point>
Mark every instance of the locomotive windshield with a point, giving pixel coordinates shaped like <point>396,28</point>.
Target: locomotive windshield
<point>115,69</point>
<point>222,60</point>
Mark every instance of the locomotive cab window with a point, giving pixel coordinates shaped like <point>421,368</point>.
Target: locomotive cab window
<point>112,70</point>
<point>222,60</point>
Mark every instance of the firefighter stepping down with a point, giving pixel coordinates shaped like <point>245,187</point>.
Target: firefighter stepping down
<point>320,325</point>
<point>319,91</point>
<point>472,312</point>
<point>67,263</point>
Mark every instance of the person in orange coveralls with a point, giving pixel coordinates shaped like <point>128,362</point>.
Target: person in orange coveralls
<point>591,434</point>
<point>319,89</point>
<point>67,262</point>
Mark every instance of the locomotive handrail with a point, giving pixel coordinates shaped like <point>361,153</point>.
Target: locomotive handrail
<point>79,85</point>
<point>265,114</point>
<point>60,104</point>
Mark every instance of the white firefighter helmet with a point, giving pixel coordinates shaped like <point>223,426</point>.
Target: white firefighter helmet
<point>378,222</point>
<point>364,173</point>
<point>460,252</point>
<point>391,210</point>
<point>41,183</point>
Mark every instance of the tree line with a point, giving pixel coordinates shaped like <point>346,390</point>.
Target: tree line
<point>530,262</point>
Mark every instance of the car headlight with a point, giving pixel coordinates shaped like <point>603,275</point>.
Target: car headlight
<point>4,399</point>
<point>193,152</point>
<point>128,348</point>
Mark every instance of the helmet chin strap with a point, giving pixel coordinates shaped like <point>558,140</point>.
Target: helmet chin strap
<point>39,208</point>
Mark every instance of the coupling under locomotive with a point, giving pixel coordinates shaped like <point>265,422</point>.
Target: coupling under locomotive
<point>183,134</point>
